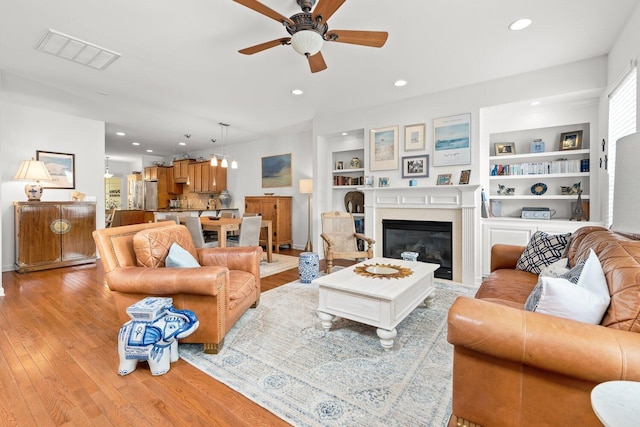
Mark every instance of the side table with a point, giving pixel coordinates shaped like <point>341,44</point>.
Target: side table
<point>617,403</point>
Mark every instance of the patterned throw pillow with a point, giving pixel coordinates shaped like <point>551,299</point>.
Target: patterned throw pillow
<point>557,269</point>
<point>573,275</point>
<point>542,250</point>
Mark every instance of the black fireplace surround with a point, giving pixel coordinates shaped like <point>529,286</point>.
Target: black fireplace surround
<point>432,240</point>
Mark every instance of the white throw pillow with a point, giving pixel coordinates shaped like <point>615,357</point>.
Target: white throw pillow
<point>592,277</point>
<point>180,257</point>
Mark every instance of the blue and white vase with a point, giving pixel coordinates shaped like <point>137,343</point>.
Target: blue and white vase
<point>308,266</point>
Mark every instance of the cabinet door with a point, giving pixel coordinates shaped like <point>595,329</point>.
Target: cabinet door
<point>36,243</point>
<point>79,222</point>
<point>207,185</point>
<point>151,173</point>
<point>220,181</point>
<point>283,216</point>
<point>172,186</point>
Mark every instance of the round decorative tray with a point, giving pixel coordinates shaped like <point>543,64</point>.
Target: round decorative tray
<point>386,271</point>
<point>539,189</point>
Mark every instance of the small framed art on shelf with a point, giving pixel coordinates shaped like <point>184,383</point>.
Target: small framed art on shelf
<point>444,179</point>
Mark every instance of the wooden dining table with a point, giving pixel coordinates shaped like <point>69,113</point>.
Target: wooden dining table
<point>223,225</point>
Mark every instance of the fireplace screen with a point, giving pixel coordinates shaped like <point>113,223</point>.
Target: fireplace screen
<point>430,239</point>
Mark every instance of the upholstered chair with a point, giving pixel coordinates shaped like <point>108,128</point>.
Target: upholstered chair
<point>194,226</point>
<point>340,239</point>
<point>225,285</point>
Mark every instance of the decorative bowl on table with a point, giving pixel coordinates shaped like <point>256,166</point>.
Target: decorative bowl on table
<point>269,194</point>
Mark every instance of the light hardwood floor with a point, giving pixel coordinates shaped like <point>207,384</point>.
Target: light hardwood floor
<point>59,362</point>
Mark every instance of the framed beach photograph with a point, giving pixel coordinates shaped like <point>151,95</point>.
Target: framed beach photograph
<point>571,140</point>
<point>504,148</point>
<point>464,176</point>
<point>276,171</point>
<point>383,148</point>
<point>61,167</point>
<point>414,137</point>
<point>444,179</point>
<point>452,140</point>
<point>415,166</point>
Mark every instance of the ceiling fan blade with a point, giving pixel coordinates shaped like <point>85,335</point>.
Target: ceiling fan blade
<point>364,38</point>
<point>316,62</point>
<point>266,11</point>
<point>264,46</point>
<point>326,8</point>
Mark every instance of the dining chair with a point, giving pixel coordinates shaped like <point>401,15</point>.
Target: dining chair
<point>174,218</point>
<point>195,228</point>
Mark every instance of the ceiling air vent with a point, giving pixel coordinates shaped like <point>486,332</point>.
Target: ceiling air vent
<point>76,50</point>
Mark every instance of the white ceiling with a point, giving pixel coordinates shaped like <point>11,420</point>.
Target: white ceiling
<point>180,70</point>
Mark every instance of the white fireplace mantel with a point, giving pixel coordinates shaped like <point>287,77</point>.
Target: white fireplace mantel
<point>379,201</point>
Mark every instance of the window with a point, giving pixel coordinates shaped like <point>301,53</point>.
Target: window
<point>622,122</point>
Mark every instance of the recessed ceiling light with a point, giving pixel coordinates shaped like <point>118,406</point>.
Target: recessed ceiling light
<point>120,133</point>
<point>400,83</point>
<point>135,143</point>
<point>520,24</point>
<point>297,92</point>
<point>344,134</point>
<point>102,93</point>
<point>182,143</point>
<point>149,151</point>
<point>534,103</point>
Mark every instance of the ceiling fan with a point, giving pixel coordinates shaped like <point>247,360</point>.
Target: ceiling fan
<point>309,30</point>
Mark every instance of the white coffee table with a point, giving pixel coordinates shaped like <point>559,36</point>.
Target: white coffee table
<point>379,302</point>
<point>617,403</point>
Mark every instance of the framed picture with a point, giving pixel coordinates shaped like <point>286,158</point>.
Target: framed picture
<point>444,179</point>
<point>384,148</point>
<point>505,148</point>
<point>276,171</point>
<point>464,176</point>
<point>452,140</point>
<point>61,167</point>
<point>415,166</point>
<point>571,140</point>
<point>414,137</point>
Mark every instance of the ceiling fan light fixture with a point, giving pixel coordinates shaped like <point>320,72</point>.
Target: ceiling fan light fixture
<point>306,42</point>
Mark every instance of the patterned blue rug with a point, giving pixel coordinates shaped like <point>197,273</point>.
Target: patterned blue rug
<point>279,357</point>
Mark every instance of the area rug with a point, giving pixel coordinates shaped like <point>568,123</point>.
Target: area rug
<point>278,264</point>
<point>279,357</point>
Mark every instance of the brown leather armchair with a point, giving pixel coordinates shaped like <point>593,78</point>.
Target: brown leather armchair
<point>219,292</point>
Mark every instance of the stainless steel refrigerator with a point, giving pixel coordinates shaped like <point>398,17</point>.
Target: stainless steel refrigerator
<point>145,195</point>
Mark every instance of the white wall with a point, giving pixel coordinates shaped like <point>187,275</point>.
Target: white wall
<point>25,129</point>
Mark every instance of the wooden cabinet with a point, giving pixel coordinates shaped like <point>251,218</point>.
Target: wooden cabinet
<point>204,178</point>
<point>173,187</point>
<point>53,234</point>
<point>181,170</point>
<point>278,210</point>
<point>151,173</point>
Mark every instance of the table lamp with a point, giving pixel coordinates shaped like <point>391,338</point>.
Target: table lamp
<point>33,170</point>
<point>306,187</point>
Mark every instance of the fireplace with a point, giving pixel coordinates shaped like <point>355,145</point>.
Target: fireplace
<point>431,240</point>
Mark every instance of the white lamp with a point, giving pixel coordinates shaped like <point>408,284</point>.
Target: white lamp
<point>33,170</point>
<point>306,187</point>
<point>306,42</point>
<point>626,203</point>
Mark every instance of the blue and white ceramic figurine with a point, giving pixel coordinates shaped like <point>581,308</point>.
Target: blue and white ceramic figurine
<point>308,266</point>
<point>155,341</point>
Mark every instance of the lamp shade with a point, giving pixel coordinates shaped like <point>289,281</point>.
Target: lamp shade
<point>305,186</point>
<point>626,202</point>
<point>306,42</point>
<point>32,170</point>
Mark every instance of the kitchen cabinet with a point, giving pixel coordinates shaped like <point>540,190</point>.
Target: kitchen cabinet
<point>53,234</point>
<point>181,170</point>
<point>278,210</point>
<point>151,173</point>
<point>173,187</point>
<point>204,178</point>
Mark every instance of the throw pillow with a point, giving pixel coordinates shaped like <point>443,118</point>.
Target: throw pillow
<point>556,269</point>
<point>573,275</point>
<point>180,258</point>
<point>592,278</point>
<point>542,250</point>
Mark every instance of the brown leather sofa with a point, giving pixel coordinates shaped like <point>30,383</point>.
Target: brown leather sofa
<point>219,292</point>
<point>517,368</point>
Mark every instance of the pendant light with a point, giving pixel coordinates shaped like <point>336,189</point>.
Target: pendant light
<point>224,138</point>
<point>107,174</point>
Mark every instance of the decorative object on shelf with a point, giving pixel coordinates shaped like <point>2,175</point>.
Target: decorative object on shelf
<point>444,179</point>
<point>584,165</point>
<point>413,183</point>
<point>415,166</point>
<point>383,181</point>
<point>571,140</point>
<point>155,340</point>
<point>61,167</point>
<point>539,188</point>
<point>537,146</point>
<point>276,171</point>
<point>505,191</point>
<point>494,170</point>
<point>384,148</point>
<point>339,165</point>
<point>496,208</point>
<point>224,198</point>
<point>354,202</point>
<point>578,211</point>
<point>569,190</point>
<point>505,148</point>
<point>383,271</point>
<point>269,194</point>
<point>452,140</point>
<point>305,186</point>
<point>464,176</point>
<point>414,137</point>
<point>355,163</point>
<point>369,180</point>
<point>308,266</point>
<point>33,170</point>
